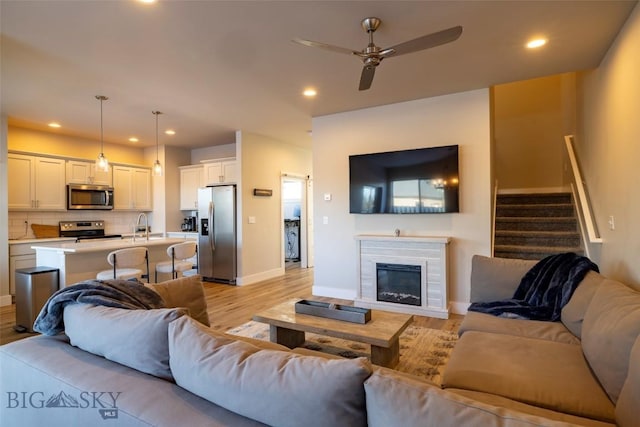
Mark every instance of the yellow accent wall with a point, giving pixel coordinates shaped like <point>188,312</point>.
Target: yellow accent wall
<point>55,144</point>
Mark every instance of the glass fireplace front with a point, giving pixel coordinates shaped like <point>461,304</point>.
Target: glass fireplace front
<point>399,283</point>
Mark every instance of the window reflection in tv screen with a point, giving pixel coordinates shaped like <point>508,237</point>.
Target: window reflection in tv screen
<point>423,180</point>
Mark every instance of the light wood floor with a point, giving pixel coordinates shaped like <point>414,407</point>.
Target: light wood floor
<point>231,306</point>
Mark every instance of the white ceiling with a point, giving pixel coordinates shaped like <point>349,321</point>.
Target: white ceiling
<point>213,67</point>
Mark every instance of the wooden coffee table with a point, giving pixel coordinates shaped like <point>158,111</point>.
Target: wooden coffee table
<point>382,332</point>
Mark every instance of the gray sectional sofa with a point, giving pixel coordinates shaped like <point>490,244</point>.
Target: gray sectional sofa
<point>162,367</point>
<point>583,369</point>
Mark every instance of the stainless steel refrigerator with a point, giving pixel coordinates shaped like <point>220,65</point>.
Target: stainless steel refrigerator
<point>217,233</point>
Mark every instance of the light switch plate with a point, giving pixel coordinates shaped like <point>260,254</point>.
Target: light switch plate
<point>252,220</point>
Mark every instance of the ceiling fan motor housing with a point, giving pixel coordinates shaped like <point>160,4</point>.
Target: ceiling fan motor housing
<point>371,24</point>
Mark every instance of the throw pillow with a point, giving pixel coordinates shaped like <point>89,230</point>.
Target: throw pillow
<point>573,313</point>
<point>496,279</point>
<point>277,388</point>
<point>184,292</point>
<point>134,338</point>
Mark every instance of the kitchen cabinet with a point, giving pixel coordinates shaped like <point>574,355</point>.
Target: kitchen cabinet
<point>190,181</point>
<point>131,188</point>
<point>36,183</point>
<point>79,172</point>
<point>220,172</point>
<point>22,256</point>
<point>16,262</point>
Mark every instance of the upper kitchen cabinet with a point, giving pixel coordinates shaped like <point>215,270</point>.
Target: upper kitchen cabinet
<point>191,178</point>
<point>86,173</point>
<point>131,188</point>
<point>220,172</point>
<point>36,183</point>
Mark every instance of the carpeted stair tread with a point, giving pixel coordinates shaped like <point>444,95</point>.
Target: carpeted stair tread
<point>536,223</point>
<point>537,238</point>
<point>532,252</point>
<point>534,198</point>
<point>543,209</point>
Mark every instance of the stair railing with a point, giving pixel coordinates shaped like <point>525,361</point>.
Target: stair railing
<point>587,223</point>
<point>493,216</point>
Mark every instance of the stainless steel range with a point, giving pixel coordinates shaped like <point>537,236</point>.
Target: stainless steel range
<point>84,230</point>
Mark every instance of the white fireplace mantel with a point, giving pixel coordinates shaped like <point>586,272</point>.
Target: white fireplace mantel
<point>428,252</point>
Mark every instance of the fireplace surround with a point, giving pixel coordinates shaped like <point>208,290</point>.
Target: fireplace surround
<point>406,274</point>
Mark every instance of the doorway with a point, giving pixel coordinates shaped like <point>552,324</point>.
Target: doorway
<point>296,211</point>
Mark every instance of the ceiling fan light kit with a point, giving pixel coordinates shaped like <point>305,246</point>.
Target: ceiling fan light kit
<point>373,55</point>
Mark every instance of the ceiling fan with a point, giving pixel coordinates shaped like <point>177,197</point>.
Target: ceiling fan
<point>372,55</point>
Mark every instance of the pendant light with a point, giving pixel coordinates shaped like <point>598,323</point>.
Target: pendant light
<point>102,164</point>
<point>157,167</point>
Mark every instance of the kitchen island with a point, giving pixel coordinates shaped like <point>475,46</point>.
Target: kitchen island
<point>83,260</point>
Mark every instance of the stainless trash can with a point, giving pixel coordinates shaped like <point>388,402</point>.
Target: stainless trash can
<point>34,286</point>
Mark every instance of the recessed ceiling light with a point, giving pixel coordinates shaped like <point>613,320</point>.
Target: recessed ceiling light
<point>535,43</point>
<point>54,125</point>
<point>170,132</point>
<point>310,92</point>
<point>133,139</point>
<point>147,1</point>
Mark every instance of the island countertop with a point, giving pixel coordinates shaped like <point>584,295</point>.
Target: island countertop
<point>89,245</point>
<point>83,260</point>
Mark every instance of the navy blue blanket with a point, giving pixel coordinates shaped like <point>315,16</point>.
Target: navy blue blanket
<point>543,290</point>
<point>111,293</point>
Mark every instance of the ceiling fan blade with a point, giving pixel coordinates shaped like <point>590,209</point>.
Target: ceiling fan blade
<point>326,46</point>
<point>367,77</point>
<point>428,41</point>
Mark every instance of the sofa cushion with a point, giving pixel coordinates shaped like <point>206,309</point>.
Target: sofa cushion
<point>503,402</point>
<point>184,292</point>
<point>542,373</point>
<point>482,322</point>
<point>573,312</point>
<point>44,366</point>
<point>629,400</point>
<point>134,338</point>
<point>610,328</point>
<point>496,279</point>
<point>274,387</point>
<point>397,400</point>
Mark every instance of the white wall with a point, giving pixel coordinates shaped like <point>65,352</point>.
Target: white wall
<point>462,119</point>
<point>262,163</point>
<point>609,150</point>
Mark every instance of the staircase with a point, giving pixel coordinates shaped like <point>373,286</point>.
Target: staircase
<point>533,226</point>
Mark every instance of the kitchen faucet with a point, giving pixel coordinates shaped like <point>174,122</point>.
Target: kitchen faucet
<point>146,226</point>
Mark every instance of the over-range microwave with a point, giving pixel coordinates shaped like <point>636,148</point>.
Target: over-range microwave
<point>87,196</point>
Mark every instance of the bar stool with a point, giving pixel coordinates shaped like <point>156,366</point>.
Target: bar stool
<point>179,254</point>
<point>123,262</point>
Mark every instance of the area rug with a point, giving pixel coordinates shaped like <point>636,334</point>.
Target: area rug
<point>423,351</point>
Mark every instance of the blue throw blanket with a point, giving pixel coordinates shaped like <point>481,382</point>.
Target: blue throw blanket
<point>543,290</point>
<point>111,293</point>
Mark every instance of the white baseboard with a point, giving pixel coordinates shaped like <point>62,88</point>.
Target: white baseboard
<point>323,291</point>
<point>259,277</point>
<point>534,190</point>
<point>458,307</point>
<point>5,300</point>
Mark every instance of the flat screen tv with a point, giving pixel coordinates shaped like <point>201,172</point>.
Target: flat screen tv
<point>418,181</point>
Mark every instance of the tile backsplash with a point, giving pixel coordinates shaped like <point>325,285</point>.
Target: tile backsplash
<point>115,222</point>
